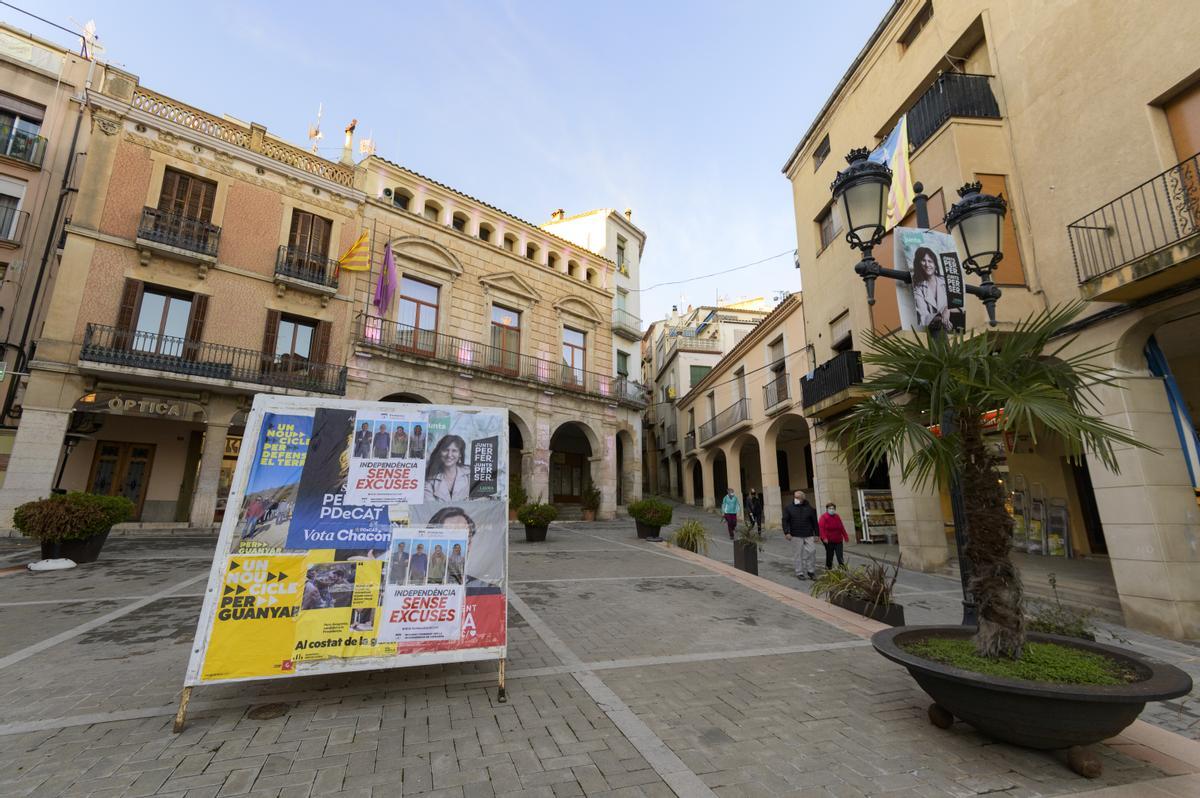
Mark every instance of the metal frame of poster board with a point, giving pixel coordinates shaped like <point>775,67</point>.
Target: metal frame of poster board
<point>314,486</point>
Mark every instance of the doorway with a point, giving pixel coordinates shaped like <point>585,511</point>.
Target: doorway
<point>567,470</point>
<point>122,469</point>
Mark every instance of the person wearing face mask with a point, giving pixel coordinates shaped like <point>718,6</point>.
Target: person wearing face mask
<point>800,527</point>
<point>730,506</point>
<point>833,535</point>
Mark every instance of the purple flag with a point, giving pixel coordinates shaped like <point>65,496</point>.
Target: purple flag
<point>387,281</point>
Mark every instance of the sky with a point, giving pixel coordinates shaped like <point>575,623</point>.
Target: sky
<point>682,111</point>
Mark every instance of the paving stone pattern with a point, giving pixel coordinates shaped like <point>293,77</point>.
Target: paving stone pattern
<point>732,694</point>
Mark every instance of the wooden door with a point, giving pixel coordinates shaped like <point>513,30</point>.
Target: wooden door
<point>122,469</point>
<point>567,476</point>
<point>187,195</point>
<point>1183,183</point>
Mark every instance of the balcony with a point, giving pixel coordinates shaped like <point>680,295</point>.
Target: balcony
<point>305,271</point>
<point>776,393</point>
<point>685,342</point>
<point>725,421</point>
<point>1144,241</point>
<point>427,345</point>
<point>626,325</point>
<point>179,237</point>
<point>26,148</point>
<point>832,386</point>
<point>135,350</point>
<point>952,94</point>
<point>672,433</point>
<point>689,441</point>
<point>12,227</point>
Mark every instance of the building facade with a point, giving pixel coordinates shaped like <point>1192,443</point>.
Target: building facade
<point>1106,214</point>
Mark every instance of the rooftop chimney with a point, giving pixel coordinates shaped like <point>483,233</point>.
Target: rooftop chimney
<point>629,214</point>
<point>558,215</point>
<point>348,146</point>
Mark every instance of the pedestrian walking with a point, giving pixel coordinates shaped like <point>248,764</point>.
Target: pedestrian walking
<point>730,506</point>
<point>833,535</point>
<point>754,509</point>
<point>800,526</point>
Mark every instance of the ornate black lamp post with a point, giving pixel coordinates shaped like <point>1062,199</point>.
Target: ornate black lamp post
<point>976,221</point>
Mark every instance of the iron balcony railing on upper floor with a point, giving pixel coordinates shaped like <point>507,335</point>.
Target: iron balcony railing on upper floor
<point>20,145</point>
<point>459,352</point>
<point>12,225</point>
<point>133,349</point>
<point>1159,213</point>
<point>832,377</point>
<point>181,232</point>
<point>736,413</point>
<point>623,320</point>
<point>689,441</point>
<point>310,267</point>
<point>952,94</point>
<point>776,390</point>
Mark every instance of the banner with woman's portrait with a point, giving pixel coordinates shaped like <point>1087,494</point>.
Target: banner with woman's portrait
<point>369,536</point>
<point>935,296</point>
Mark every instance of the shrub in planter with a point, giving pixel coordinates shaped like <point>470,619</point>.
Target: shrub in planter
<point>865,589</point>
<point>650,515</point>
<point>691,536</point>
<point>591,502</point>
<point>537,518</point>
<point>517,498</point>
<point>745,548</point>
<point>1059,619</point>
<point>72,525</point>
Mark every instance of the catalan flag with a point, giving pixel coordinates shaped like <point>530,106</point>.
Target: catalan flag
<point>894,152</point>
<point>358,257</point>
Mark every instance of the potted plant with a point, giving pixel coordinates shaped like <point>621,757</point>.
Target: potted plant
<point>745,548</point>
<point>537,518</point>
<point>865,589</point>
<point>72,525</point>
<point>650,515</point>
<point>1037,690</point>
<point>591,502</point>
<point>517,498</point>
<point>691,536</point>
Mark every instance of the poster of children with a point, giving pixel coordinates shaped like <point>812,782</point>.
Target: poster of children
<point>465,458</point>
<point>382,468</point>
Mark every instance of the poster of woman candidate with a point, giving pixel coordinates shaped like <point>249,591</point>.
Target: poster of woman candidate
<point>935,296</point>
<point>317,575</point>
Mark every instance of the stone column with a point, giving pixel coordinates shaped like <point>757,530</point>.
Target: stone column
<point>673,478</point>
<point>920,524</point>
<point>538,488</point>
<point>831,479</point>
<point>772,497</point>
<point>204,500</point>
<point>689,487</point>
<point>35,457</point>
<point>733,471</point>
<point>604,475</point>
<point>706,473</point>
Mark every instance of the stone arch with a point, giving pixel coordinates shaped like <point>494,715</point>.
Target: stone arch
<point>694,481</point>
<point>749,459</point>
<point>578,307</point>
<point>406,397</point>
<point>425,252</point>
<point>574,447</point>
<point>521,445</point>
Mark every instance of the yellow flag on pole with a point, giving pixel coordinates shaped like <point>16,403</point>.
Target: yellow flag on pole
<point>358,257</point>
<point>894,152</point>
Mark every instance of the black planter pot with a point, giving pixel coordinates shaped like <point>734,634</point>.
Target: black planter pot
<point>745,557</point>
<point>1034,714</point>
<point>645,530</point>
<point>535,534</point>
<point>84,550</point>
<point>892,614</point>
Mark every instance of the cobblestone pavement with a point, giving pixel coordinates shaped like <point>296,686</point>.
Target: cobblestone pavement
<point>632,672</point>
<point>937,598</point>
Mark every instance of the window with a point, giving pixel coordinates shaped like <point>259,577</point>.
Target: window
<point>622,300</point>
<point>162,322</point>
<point>821,153</point>
<point>622,264</point>
<point>740,381</point>
<point>417,312</point>
<point>574,356</point>
<point>293,343</point>
<point>432,211</point>
<point>11,194</point>
<point>459,222</point>
<point>828,225</point>
<point>623,364</point>
<point>712,404</point>
<point>506,339</point>
<point>308,242</point>
<point>510,243</point>
<point>573,268</point>
<point>401,198</point>
<point>485,232</point>
<point>841,337</point>
<point>776,355</point>
<point>692,422</point>
<point>696,373</point>
<point>917,25</point>
<point>552,261</point>
<point>187,196</point>
<point>20,124</point>
<point>531,251</point>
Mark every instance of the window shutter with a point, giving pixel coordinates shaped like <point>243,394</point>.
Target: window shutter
<point>320,350</point>
<point>301,224</point>
<point>195,326</point>
<point>271,334</point>
<point>126,312</point>
<point>321,230</point>
<point>170,190</point>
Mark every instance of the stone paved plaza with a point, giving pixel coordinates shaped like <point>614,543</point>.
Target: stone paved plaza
<point>634,670</point>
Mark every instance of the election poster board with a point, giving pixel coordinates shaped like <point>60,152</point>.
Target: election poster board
<point>936,291</point>
<point>358,536</point>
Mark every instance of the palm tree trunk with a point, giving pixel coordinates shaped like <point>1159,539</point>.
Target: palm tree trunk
<point>994,581</point>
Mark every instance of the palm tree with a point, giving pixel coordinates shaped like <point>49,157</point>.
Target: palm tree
<point>1039,389</point>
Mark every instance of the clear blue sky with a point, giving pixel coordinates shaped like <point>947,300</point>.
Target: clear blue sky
<point>682,111</point>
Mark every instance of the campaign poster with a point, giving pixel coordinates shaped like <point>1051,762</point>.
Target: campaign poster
<point>310,578</point>
<point>382,469</point>
<point>935,295</point>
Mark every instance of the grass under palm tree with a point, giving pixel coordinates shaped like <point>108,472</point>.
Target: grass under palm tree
<point>1040,388</point>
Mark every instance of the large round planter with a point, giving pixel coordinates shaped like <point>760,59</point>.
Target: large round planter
<point>645,530</point>
<point>84,550</point>
<point>1034,714</point>
<point>745,557</point>
<point>535,534</point>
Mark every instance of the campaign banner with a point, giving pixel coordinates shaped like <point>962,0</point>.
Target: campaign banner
<point>313,576</point>
<point>935,295</point>
<point>382,469</point>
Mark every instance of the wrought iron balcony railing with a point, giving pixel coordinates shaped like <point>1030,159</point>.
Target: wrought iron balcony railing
<point>952,94</point>
<point>1159,213</point>
<point>403,339</point>
<point>776,390</point>
<point>12,226</point>
<point>22,146</point>
<point>736,413</point>
<point>689,441</point>
<point>131,349</point>
<point>181,232</point>
<point>300,265</point>
<point>624,320</point>
<point>831,377</point>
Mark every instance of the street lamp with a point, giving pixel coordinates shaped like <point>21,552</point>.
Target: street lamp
<point>976,222</point>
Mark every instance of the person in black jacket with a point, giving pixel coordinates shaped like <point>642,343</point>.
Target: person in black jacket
<point>800,527</point>
<point>754,509</point>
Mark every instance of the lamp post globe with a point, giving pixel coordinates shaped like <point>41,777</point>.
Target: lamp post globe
<point>861,193</point>
<point>977,223</point>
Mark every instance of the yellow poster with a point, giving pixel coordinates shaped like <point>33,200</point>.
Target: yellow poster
<point>339,609</point>
<point>255,622</point>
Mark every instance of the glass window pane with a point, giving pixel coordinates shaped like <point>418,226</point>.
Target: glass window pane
<point>304,334</point>
<point>502,315</point>
<point>150,315</point>
<point>178,311</point>
<point>573,337</point>
<point>283,339</point>
<point>415,289</point>
<point>427,318</point>
<point>406,313</point>
<point>622,299</point>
